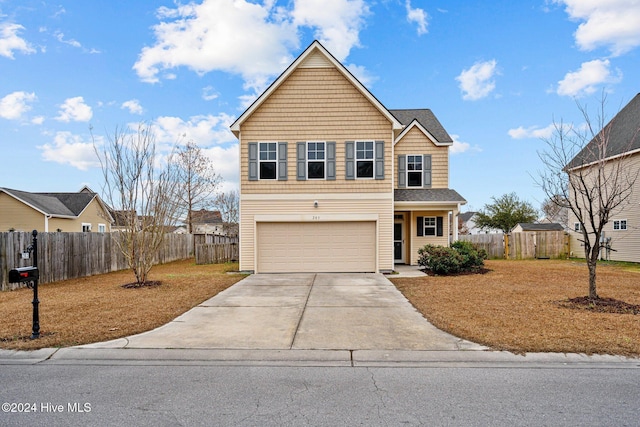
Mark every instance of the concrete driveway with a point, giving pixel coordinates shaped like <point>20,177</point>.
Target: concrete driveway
<point>301,312</point>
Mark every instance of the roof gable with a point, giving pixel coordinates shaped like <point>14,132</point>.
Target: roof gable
<point>426,121</point>
<point>315,56</point>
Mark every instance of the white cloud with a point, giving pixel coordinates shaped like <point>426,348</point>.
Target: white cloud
<point>71,42</point>
<point>10,41</point>
<point>14,105</point>
<point>337,23</point>
<point>229,35</point>
<point>226,163</point>
<point>477,82</point>
<point>209,94</point>
<point>585,80</point>
<point>74,109</point>
<point>203,130</point>
<point>532,132</point>
<point>133,105</point>
<point>461,147</point>
<point>205,37</point>
<point>362,74</point>
<point>609,23</point>
<point>417,16</point>
<point>70,149</point>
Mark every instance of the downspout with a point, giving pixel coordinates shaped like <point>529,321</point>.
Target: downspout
<point>46,223</point>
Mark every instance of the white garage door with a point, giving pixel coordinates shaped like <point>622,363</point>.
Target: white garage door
<point>318,247</point>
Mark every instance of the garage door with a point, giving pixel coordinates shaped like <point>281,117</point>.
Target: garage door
<point>316,247</point>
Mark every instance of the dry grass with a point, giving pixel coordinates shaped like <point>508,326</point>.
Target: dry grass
<point>97,308</point>
<point>515,307</point>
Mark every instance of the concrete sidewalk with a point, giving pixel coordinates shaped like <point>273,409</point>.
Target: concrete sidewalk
<point>300,312</point>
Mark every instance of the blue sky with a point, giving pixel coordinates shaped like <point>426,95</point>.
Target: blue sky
<point>496,74</point>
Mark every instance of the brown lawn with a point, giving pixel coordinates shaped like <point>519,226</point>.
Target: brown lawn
<point>515,307</point>
<point>98,308</point>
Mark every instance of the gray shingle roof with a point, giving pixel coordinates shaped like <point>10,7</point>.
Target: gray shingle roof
<point>59,204</point>
<point>540,227</point>
<point>427,195</point>
<point>623,135</point>
<point>427,119</point>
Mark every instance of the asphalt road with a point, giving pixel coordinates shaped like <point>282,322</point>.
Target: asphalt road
<point>173,394</point>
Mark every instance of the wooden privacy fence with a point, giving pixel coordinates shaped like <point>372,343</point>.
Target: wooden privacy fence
<point>522,245</point>
<point>215,253</point>
<point>70,255</point>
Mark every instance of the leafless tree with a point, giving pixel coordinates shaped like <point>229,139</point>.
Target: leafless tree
<point>198,179</point>
<point>584,172</point>
<point>555,211</point>
<point>229,206</point>
<point>141,188</point>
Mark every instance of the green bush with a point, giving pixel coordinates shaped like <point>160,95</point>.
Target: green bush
<point>473,257</point>
<point>460,257</point>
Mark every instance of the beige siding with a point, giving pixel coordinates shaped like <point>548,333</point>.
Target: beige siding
<point>416,142</point>
<point>93,214</point>
<point>18,216</point>
<point>331,207</point>
<point>625,242</point>
<point>316,104</point>
<point>416,242</point>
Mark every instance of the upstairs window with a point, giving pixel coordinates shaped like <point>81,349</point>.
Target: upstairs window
<point>364,159</point>
<point>316,157</point>
<point>576,227</point>
<point>414,170</point>
<point>268,160</point>
<point>620,224</point>
<point>86,228</point>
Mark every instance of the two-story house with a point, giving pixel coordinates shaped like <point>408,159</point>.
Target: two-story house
<point>620,239</point>
<point>333,181</point>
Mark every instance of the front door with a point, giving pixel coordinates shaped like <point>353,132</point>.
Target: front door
<point>398,243</point>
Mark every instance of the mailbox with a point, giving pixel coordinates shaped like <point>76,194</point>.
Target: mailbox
<point>24,274</point>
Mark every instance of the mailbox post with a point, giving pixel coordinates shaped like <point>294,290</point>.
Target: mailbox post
<point>30,276</point>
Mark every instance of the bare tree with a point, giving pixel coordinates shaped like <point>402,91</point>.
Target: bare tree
<point>141,188</point>
<point>198,179</point>
<point>585,173</point>
<point>555,211</point>
<point>229,206</point>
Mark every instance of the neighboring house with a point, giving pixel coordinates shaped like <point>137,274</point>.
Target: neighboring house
<point>48,212</point>
<point>621,236</point>
<point>525,226</point>
<point>207,222</point>
<point>467,225</point>
<point>333,181</point>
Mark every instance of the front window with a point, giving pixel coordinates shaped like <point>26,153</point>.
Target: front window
<point>429,225</point>
<point>620,224</point>
<point>268,160</point>
<point>316,160</point>
<point>414,171</point>
<point>364,159</point>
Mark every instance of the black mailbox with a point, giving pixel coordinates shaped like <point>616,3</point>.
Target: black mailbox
<point>24,274</point>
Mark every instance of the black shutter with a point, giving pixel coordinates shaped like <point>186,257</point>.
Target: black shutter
<point>439,226</point>
<point>420,226</point>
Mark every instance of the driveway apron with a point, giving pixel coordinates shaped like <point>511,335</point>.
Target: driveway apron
<point>301,312</point>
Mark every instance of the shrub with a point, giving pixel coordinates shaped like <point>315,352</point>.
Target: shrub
<point>473,257</point>
<point>460,257</point>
